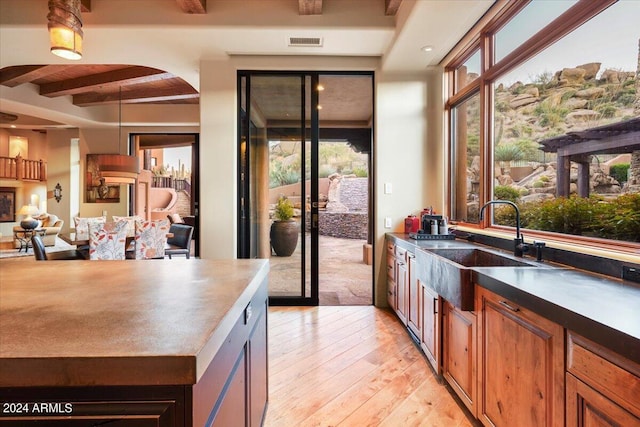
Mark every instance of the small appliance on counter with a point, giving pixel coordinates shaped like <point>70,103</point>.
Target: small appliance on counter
<point>434,227</point>
<point>411,224</point>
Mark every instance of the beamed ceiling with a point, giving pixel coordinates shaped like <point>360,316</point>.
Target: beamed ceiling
<point>90,85</point>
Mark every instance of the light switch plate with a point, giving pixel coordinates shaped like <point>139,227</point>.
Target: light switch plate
<point>387,222</point>
<point>388,188</point>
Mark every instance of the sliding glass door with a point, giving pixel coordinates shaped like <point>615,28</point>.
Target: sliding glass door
<point>282,200</point>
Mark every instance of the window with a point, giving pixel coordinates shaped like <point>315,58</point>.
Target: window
<point>564,121</point>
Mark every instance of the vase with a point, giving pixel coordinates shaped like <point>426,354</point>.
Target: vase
<point>284,237</point>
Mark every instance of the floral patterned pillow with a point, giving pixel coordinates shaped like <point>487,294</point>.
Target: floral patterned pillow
<point>151,238</point>
<point>131,223</point>
<point>107,241</point>
<point>82,225</point>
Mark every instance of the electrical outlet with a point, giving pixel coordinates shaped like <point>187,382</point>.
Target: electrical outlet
<point>387,222</point>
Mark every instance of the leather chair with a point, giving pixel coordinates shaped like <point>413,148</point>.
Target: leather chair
<point>41,254</point>
<point>180,243</point>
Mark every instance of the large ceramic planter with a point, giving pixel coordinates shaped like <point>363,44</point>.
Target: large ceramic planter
<point>284,237</point>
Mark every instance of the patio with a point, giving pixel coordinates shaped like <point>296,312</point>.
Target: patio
<point>344,278</point>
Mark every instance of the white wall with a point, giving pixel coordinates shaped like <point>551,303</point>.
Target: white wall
<point>400,148</point>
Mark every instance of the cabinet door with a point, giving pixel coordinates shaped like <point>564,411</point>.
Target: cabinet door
<point>586,407</point>
<point>392,296</point>
<point>258,391</point>
<point>233,409</point>
<point>413,300</point>
<point>521,356</point>
<point>459,353</point>
<point>402,283</point>
<point>430,332</point>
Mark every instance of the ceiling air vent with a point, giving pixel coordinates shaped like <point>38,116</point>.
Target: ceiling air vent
<point>305,41</point>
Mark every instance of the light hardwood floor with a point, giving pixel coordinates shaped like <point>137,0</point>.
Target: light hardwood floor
<point>351,366</point>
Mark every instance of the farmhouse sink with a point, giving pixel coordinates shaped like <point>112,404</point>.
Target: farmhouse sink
<point>448,271</point>
<point>479,258</point>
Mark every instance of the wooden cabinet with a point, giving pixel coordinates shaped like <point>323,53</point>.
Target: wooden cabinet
<point>430,324</point>
<point>414,321</point>
<point>602,388</point>
<point>521,360</point>
<point>392,296</point>
<point>459,353</point>
<point>402,283</point>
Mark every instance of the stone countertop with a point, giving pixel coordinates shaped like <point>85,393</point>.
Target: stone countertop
<point>77,323</point>
<point>601,308</point>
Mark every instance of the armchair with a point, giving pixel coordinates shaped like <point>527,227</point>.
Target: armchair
<point>50,223</point>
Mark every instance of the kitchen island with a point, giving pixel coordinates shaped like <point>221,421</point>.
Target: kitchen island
<point>158,342</point>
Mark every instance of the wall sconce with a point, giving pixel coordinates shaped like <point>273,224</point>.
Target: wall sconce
<point>65,28</point>
<point>57,192</point>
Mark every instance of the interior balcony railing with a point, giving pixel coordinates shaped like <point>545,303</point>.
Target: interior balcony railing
<point>20,169</point>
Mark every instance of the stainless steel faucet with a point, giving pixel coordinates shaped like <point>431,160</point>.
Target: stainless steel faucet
<point>519,247</point>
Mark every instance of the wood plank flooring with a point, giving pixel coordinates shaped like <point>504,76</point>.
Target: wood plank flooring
<point>351,366</point>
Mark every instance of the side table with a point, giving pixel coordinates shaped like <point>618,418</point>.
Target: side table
<point>24,237</point>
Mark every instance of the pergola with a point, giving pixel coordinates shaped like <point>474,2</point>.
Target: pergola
<point>617,138</point>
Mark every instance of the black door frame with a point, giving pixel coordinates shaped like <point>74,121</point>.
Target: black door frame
<point>244,179</point>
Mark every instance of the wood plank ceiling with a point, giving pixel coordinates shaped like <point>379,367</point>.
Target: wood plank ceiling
<point>90,85</point>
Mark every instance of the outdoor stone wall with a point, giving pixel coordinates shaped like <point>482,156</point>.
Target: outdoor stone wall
<point>352,223</point>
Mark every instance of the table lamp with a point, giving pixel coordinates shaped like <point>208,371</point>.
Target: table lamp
<point>29,223</point>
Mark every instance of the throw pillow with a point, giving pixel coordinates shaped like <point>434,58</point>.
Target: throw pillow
<point>82,225</point>
<point>151,238</point>
<point>107,241</point>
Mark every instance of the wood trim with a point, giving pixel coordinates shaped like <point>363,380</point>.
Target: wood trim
<point>193,6</point>
<point>604,370</point>
<point>310,7</point>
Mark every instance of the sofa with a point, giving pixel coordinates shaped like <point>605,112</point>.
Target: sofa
<point>50,223</point>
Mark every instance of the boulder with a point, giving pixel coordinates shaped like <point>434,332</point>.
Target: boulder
<point>522,100</point>
<point>536,197</point>
<point>591,70</point>
<point>611,76</point>
<point>576,104</point>
<point>590,93</point>
<point>582,116</point>
<point>572,76</point>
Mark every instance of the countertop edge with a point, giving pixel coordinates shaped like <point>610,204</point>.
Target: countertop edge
<point>217,339</point>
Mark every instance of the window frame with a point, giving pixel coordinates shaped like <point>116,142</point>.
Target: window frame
<point>482,37</point>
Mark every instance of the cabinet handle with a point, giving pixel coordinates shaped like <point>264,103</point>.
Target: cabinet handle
<point>435,306</point>
<point>509,306</point>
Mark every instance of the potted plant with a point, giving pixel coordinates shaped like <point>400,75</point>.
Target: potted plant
<point>284,230</point>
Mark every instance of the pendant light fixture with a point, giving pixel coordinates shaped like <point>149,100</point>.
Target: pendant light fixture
<point>65,28</point>
<point>118,168</point>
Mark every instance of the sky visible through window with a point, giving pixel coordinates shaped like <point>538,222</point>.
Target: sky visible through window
<point>610,38</point>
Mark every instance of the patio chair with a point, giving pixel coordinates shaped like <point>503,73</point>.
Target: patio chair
<point>41,255</point>
<point>180,243</point>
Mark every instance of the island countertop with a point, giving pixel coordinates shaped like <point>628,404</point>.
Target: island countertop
<point>79,323</point>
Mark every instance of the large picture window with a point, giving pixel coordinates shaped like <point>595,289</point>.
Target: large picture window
<point>564,121</point>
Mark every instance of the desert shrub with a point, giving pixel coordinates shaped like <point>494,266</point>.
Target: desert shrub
<point>619,219</point>
<point>360,172</point>
<point>544,178</point>
<point>280,175</point>
<point>505,215</point>
<point>549,115</point>
<point>506,192</point>
<point>507,153</point>
<point>607,110</point>
<point>619,172</point>
<point>538,184</point>
<point>572,215</point>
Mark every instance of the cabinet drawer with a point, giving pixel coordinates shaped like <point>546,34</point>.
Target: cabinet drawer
<point>612,375</point>
<point>401,253</point>
<point>391,267</point>
<point>391,247</point>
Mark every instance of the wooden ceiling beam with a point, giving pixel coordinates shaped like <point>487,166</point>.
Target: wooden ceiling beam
<point>133,97</point>
<point>20,74</point>
<point>111,79</point>
<point>391,7</point>
<point>310,7</point>
<point>85,5</point>
<point>193,6</point>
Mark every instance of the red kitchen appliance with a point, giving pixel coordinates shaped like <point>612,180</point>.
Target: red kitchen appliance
<point>411,224</point>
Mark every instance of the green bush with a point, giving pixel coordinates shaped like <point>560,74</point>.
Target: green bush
<point>506,192</point>
<point>620,172</point>
<point>284,209</point>
<point>538,184</point>
<point>617,219</point>
<point>360,172</point>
